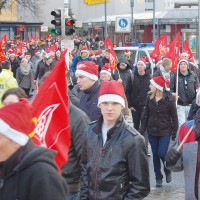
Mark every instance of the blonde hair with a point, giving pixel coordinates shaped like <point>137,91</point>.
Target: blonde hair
<point>157,92</point>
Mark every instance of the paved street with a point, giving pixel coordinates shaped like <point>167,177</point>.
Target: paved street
<point>169,191</point>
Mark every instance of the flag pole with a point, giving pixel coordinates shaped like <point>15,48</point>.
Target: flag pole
<point>177,70</point>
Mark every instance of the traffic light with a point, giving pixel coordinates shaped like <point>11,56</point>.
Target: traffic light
<point>69,26</point>
<point>57,13</point>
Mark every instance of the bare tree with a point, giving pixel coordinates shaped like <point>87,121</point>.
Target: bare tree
<point>34,6</point>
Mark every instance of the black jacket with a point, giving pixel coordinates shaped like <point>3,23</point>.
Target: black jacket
<point>137,89</point>
<point>124,74</point>
<point>119,169</point>
<point>31,174</point>
<point>193,109</point>
<point>89,101</point>
<point>14,66</point>
<point>160,118</point>
<point>186,96</point>
<point>71,171</point>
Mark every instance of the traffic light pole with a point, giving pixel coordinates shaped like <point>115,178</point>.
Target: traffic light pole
<point>63,10</point>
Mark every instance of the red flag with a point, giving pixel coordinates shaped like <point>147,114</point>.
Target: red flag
<point>113,58</point>
<point>3,40</point>
<point>50,107</point>
<point>174,52</point>
<point>187,49</point>
<point>160,47</point>
<point>2,54</point>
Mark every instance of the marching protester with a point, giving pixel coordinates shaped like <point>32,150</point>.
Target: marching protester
<point>14,63</point>
<point>185,155</point>
<point>87,81</point>
<point>187,85</point>
<point>13,95</point>
<point>114,161</point>
<point>83,57</point>
<point>7,80</point>
<point>22,163</point>
<point>24,77</point>
<point>161,122</point>
<point>123,72</point>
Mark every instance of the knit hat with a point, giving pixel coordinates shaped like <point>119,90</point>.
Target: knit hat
<point>111,91</point>
<point>16,121</point>
<point>88,69</point>
<point>183,60</point>
<point>84,49</point>
<point>143,61</point>
<point>159,82</point>
<point>106,69</point>
<point>127,52</point>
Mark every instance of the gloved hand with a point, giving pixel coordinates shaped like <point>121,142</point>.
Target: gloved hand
<point>172,156</point>
<point>173,136</point>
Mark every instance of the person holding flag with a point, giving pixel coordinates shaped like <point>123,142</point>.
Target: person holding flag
<point>185,155</point>
<point>25,168</point>
<point>183,84</point>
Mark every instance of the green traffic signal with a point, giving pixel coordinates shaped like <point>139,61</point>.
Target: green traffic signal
<point>56,31</point>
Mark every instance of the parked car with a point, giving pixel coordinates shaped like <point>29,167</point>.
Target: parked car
<point>138,52</point>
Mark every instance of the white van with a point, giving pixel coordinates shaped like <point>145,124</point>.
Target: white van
<point>137,53</point>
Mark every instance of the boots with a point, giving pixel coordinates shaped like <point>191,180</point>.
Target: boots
<point>159,181</point>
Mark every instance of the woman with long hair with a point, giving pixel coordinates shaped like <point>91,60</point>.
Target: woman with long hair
<point>161,122</point>
<point>24,77</point>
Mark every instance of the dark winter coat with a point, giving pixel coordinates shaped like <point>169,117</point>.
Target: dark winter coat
<point>160,118</point>
<point>39,70</point>
<point>137,89</point>
<point>119,169</point>
<point>14,66</point>
<point>186,96</point>
<point>124,74</point>
<point>193,109</point>
<point>31,174</point>
<point>89,101</point>
<point>71,171</point>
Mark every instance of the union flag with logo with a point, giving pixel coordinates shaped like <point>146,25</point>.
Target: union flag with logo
<point>50,107</point>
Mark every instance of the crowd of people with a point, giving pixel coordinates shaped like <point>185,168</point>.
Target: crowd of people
<point>108,159</point>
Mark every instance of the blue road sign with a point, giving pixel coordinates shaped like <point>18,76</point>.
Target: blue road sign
<point>123,23</point>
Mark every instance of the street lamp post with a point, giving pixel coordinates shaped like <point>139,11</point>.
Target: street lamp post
<point>105,29</point>
<point>132,30</point>
<point>154,21</point>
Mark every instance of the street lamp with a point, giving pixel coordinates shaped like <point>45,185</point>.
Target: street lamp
<point>132,30</point>
<point>105,29</point>
<point>154,21</point>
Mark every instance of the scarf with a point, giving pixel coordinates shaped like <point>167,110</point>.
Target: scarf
<point>25,70</point>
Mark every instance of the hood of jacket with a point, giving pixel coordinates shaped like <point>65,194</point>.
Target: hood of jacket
<point>123,60</point>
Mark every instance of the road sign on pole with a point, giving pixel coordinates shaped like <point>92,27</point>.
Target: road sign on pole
<point>123,25</point>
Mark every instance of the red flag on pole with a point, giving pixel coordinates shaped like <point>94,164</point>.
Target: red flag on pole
<point>160,47</point>
<point>113,58</point>
<point>187,49</point>
<point>3,40</point>
<point>50,107</point>
<point>174,52</point>
<point>2,54</point>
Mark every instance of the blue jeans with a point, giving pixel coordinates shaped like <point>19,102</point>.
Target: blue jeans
<point>73,196</point>
<point>159,146</point>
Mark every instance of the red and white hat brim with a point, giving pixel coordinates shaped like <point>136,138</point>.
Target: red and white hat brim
<point>13,134</point>
<point>87,74</point>
<point>105,71</point>
<point>156,85</point>
<point>112,98</point>
<point>140,61</point>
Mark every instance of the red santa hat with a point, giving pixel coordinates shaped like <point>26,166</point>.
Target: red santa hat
<point>88,69</point>
<point>84,49</point>
<point>127,52</point>
<point>37,51</point>
<point>159,82</point>
<point>143,61</point>
<point>11,52</point>
<point>97,54</point>
<point>111,91</point>
<point>106,69</point>
<point>16,122</point>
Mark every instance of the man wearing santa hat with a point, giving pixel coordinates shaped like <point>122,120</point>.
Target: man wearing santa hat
<point>87,81</point>
<point>114,161</point>
<point>83,57</point>
<point>26,171</point>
